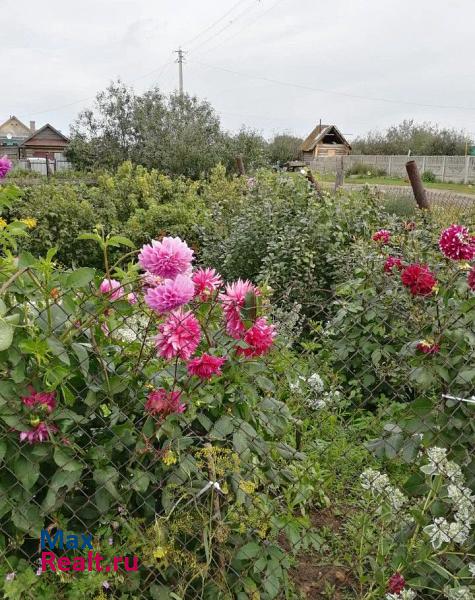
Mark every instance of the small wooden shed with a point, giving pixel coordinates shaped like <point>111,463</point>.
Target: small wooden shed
<point>324,140</point>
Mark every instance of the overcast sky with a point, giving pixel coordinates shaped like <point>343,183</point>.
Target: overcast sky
<point>344,55</point>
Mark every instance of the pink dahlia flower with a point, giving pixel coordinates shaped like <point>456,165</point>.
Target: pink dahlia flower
<point>112,288</point>
<point>168,258</point>
<point>259,338</point>
<point>206,282</point>
<point>233,301</point>
<point>383,236</point>
<point>391,262</point>
<point>161,402</point>
<point>418,279</point>
<point>45,400</point>
<point>457,243</point>
<point>38,434</point>
<point>5,166</point>
<point>171,294</point>
<point>179,335</point>
<point>205,366</point>
<point>427,347</point>
<point>396,583</point>
<point>471,278</point>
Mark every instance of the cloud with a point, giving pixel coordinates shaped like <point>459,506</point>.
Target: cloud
<point>57,53</point>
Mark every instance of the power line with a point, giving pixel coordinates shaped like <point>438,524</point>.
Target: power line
<point>228,12</point>
<point>161,70</point>
<point>231,37</point>
<point>332,92</point>
<point>216,33</point>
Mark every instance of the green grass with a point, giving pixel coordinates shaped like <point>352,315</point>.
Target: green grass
<point>454,187</point>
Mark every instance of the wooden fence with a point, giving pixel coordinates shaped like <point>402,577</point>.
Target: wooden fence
<point>457,169</point>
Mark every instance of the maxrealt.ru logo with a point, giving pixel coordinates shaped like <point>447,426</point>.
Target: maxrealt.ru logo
<point>93,561</point>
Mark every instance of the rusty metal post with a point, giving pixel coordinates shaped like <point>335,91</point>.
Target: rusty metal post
<point>314,183</point>
<point>340,174</point>
<point>417,186</point>
<point>240,166</point>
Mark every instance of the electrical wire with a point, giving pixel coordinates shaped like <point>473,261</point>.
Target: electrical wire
<point>332,92</point>
<point>228,12</point>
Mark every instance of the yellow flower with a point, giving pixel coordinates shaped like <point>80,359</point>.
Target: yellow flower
<point>160,552</point>
<point>29,222</point>
<point>34,421</point>
<point>465,266</point>
<point>169,458</point>
<point>3,223</point>
<point>248,487</point>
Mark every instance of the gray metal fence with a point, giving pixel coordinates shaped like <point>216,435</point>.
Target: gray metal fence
<point>459,169</point>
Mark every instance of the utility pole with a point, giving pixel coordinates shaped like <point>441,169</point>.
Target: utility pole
<point>180,69</point>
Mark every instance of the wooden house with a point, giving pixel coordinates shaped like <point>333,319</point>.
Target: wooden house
<point>45,142</point>
<point>324,140</point>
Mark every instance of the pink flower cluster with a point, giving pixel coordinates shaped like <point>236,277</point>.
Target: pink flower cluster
<point>169,285</point>
<point>5,166</point>
<point>161,402</point>
<point>42,402</point>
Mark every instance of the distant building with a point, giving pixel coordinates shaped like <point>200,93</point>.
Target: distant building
<point>324,140</point>
<point>19,141</point>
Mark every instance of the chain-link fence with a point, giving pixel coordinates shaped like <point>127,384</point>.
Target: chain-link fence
<point>251,445</point>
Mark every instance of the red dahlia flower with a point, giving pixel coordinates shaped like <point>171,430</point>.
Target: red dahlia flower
<point>419,279</point>
<point>391,262</point>
<point>457,243</point>
<point>383,236</point>
<point>471,278</point>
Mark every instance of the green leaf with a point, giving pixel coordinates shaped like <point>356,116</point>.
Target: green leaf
<point>83,357</point>
<point>224,426</point>
<point>58,350</point>
<point>248,551</point>
<point>80,278</point>
<point>65,459</point>
<point>140,481</point>
<point>118,240</point>
<point>6,335</point>
<point>3,449</point>
<point>26,471</point>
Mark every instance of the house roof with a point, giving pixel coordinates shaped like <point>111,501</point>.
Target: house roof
<point>47,126</point>
<point>320,131</point>
<point>14,118</point>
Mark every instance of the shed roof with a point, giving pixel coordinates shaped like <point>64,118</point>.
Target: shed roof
<point>55,132</point>
<point>320,131</point>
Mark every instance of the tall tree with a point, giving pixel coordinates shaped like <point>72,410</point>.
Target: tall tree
<point>284,147</point>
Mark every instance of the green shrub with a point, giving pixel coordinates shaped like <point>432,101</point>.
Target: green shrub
<point>364,170</point>
<point>429,177</point>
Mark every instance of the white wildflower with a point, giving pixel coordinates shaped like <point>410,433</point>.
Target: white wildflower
<point>439,465</point>
<point>316,382</point>
<point>459,593</point>
<point>438,532</point>
<point>442,532</point>
<point>406,594</point>
<point>471,568</point>
<point>374,481</point>
<point>463,502</point>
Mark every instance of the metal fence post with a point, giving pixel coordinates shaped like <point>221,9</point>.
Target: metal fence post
<point>466,170</point>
